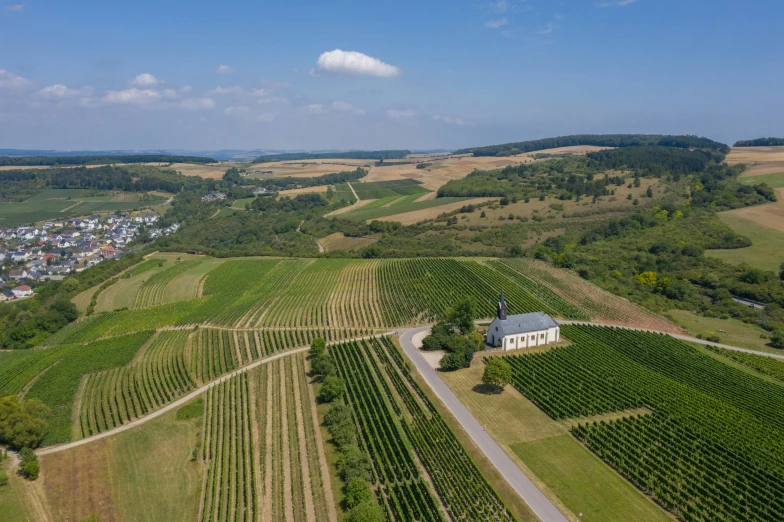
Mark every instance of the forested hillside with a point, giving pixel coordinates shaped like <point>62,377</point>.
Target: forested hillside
<point>597,140</point>
<point>761,142</point>
<point>357,154</point>
<point>19,161</point>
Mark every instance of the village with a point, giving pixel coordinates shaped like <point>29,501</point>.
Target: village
<point>54,249</point>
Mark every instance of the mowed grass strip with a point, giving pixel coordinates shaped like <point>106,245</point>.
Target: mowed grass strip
<point>767,244</point>
<point>584,483</point>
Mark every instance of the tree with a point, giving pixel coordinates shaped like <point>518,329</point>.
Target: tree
<point>331,389</point>
<point>649,192</point>
<point>368,511</point>
<point>357,492</point>
<point>463,315</point>
<point>29,463</point>
<point>781,271</point>
<point>323,366</point>
<point>497,373</point>
<point>23,424</point>
<point>777,338</point>
<point>317,347</point>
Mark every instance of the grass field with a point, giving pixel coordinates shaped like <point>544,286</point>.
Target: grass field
<point>411,211</point>
<point>141,474</point>
<point>772,180</point>
<point>11,506</point>
<point>212,171</point>
<point>338,241</point>
<point>572,476</point>
<point>766,251</point>
<point>58,204</point>
<point>584,483</point>
<point>738,333</point>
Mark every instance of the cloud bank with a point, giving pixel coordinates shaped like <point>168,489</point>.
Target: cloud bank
<point>355,63</point>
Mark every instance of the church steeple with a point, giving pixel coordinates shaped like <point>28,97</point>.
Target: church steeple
<point>502,307</point>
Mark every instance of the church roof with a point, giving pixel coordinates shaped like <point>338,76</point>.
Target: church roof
<point>523,323</point>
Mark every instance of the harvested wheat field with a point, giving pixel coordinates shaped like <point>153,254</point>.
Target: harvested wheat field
<point>770,215</point>
<point>307,190</point>
<point>758,160</point>
<point>415,216</point>
<point>310,168</point>
<point>446,168</point>
<point>211,171</point>
<point>338,241</point>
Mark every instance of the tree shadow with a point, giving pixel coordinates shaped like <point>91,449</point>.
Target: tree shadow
<point>487,389</point>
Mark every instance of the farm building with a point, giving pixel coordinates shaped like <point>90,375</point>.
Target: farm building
<point>512,332</point>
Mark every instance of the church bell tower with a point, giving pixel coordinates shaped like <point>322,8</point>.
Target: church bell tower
<point>502,307</point>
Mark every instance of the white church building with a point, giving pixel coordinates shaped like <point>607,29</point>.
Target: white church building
<point>513,332</point>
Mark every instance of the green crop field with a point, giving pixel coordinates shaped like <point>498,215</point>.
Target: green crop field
<point>51,204</point>
<point>409,205</point>
<point>767,244</point>
<point>384,189</point>
<point>718,425</point>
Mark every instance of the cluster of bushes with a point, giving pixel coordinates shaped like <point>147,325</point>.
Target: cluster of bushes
<point>353,463</point>
<point>457,336</point>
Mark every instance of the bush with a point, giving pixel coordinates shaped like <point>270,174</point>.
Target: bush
<point>23,424</point>
<point>340,424</point>
<point>318,347</point>
<point>357,492</point>
<point>368,511</point>
<point>777,338</point>
<point>353,463</point>
<point>323,366</point>
<point>331,389</point>
<point>29,463</point>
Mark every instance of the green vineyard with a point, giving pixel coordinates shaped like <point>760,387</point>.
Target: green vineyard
<point>713,448</point>
<point>408,440</point>
<point>151,291</point>
<point>260,448</point>
<point>765,365</point>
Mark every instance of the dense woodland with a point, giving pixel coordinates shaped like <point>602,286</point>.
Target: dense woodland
<point>761,142</point>
<point>357,154</point>
<point>597,140</point>
<point>27,161</point>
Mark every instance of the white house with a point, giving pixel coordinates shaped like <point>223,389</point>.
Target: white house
<point>513,332</point>
<point>22,291</point>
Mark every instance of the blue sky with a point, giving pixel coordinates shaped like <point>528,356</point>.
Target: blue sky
<point>345,74</point>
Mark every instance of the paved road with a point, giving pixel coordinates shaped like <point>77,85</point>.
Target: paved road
<point>535,499</point>
<point>684,338</point>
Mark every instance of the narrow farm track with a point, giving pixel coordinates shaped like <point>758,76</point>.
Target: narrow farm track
<point>179,402</point>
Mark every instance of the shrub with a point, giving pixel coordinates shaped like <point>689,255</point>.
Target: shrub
<point>23,424</point>
<point>777,338</point>
<point>323,366</point>
<point>353,463</point>
<point>331,389</point>
<point>357,492</point>
<point>318,347</point>
<point>29,463</point>
<point>366,512</point>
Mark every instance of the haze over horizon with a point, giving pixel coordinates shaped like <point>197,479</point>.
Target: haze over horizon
<point>91,75</point>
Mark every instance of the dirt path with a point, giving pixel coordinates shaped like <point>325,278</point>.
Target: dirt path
<point>350,207</point>
<point>320,247</point>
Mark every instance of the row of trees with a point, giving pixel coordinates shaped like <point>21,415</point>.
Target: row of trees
<point>357,154</point>
<point>27,161</point>
<point>353,463</point>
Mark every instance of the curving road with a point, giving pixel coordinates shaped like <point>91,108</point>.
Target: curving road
<point>535,499</point>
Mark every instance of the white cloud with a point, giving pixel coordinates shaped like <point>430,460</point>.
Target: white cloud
<point>236,110</point>
<point>352,62</point>
<point>9,80</point>
<point>267,116</point>
<point>15,8</point>
<point>396,114</point>
<point>226,90</point>
<point>549,28</point>
<point>169,94</point>
<point>224,69</point>
<point>495,24</point>
<point>342,106</point>
<point>145,80</point>
<point>273,99</point>
<point>59,91</point>
<point>185,89</point>
<point>132,96</point>
<point>450,120</point>
<point>497,7</point>
<point>198,104</point>
<point>618,3</point>
<point>315,108</point>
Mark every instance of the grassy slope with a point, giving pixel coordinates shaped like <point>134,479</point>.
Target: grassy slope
<point>738,333</point>
<point>566,469</point>
<point>767,250</point>
<point>152,475</point>
<point>773,180</point>
<point>186,285</point>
